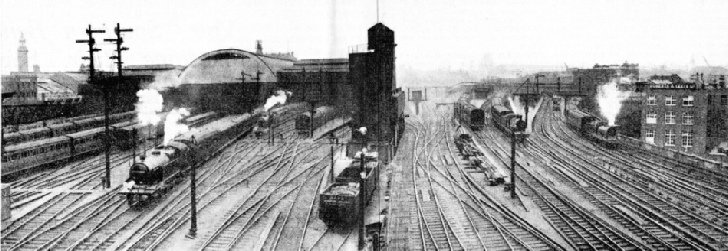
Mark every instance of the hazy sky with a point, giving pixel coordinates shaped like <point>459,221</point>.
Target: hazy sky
<point>429,34</point>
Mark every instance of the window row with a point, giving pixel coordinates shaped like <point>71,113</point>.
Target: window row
<point>688,118</point>
<point>671,137</point>
<point>723,99</point>
<point>11,156</point>
<point>688,100</point>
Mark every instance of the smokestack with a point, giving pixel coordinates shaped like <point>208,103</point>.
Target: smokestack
<point>36,68</point>
<point>259,47</point>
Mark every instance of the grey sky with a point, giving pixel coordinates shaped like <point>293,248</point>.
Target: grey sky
<point>430,34</point>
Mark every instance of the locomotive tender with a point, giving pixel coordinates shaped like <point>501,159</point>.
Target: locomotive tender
<point>161,168</point>
<point>592,128</point>
<point>339,203</point>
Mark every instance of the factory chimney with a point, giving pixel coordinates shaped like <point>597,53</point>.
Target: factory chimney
<point>36,68</point>
<point>259,47</point>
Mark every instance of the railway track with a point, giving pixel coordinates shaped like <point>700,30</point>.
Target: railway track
<point>261,200</point>
<point>581,228</point>
<point>22,231</point>
<point>678,228</point>
<point>452,212</point>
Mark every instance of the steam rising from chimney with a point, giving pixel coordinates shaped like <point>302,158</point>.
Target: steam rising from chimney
<point>279,98</point>
<point>610,99</point>
<point>171,126</point>
<point>520,109</point>
<point>150,102</point>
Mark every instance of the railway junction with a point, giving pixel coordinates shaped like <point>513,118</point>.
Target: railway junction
<point>330,154</point>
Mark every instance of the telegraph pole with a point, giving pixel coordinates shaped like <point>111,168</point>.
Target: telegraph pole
<point>118,40</point>
<point>92,74</point>
<point>91,42</point>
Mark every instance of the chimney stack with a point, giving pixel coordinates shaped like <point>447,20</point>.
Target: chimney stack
<point>36,68</point>
<point>259,47</point>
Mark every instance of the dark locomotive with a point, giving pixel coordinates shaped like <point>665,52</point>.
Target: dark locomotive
<point>508,122</point>
<point>161,168</point>
<point>592,128</point>
<point>469,115</point>
<point>322,115</point>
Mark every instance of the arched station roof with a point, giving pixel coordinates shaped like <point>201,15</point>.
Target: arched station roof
<point>227,66</point>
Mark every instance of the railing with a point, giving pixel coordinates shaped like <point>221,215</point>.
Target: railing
<point>686,158</point>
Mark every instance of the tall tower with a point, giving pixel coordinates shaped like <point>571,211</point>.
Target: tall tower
<point>22,55</point>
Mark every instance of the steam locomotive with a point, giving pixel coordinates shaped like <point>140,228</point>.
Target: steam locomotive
<point>339,203</point>
<point>321,116</point>
<point>469,115</point>
<point>278,113</point>
<point>505,120</point>
<point>161,168</point>
<point>592,128</point>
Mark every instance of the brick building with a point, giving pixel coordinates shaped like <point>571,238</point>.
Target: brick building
<point>587,81</point>
<point>324,81</point>
<point>685,116</point>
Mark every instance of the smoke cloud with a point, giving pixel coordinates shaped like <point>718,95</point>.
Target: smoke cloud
<point>610,98</point>
<point>150,102</point>
<point>279,98</point>
<point>171,126</point>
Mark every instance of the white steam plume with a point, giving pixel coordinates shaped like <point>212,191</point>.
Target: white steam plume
<point>150,102</point>
<point>279,98</point>
<point>520,109</point>
<point>610,98</point>
<point>171,126</point>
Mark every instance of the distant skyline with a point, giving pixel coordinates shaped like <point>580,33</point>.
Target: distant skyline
<point>464,35</point>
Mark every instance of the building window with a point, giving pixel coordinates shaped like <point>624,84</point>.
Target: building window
<point>670,100</point>
<point>687,140</point>
<point>650,136</point>
<point>669,138</point>
<point>652,100</point>
<point>687,118</point>
<point>688,101</point>
<point>710,99</point>
<point>651,117</point>
<point>669,117</point>
<point>723,99</point>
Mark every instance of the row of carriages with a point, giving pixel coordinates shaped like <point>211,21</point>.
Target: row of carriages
<point>60,127</point>
<point>70,141</point>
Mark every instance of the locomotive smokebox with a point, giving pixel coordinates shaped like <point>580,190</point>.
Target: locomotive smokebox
<point>521,125</point>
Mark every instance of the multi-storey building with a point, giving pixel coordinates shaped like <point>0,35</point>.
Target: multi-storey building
<point>685,116</point>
